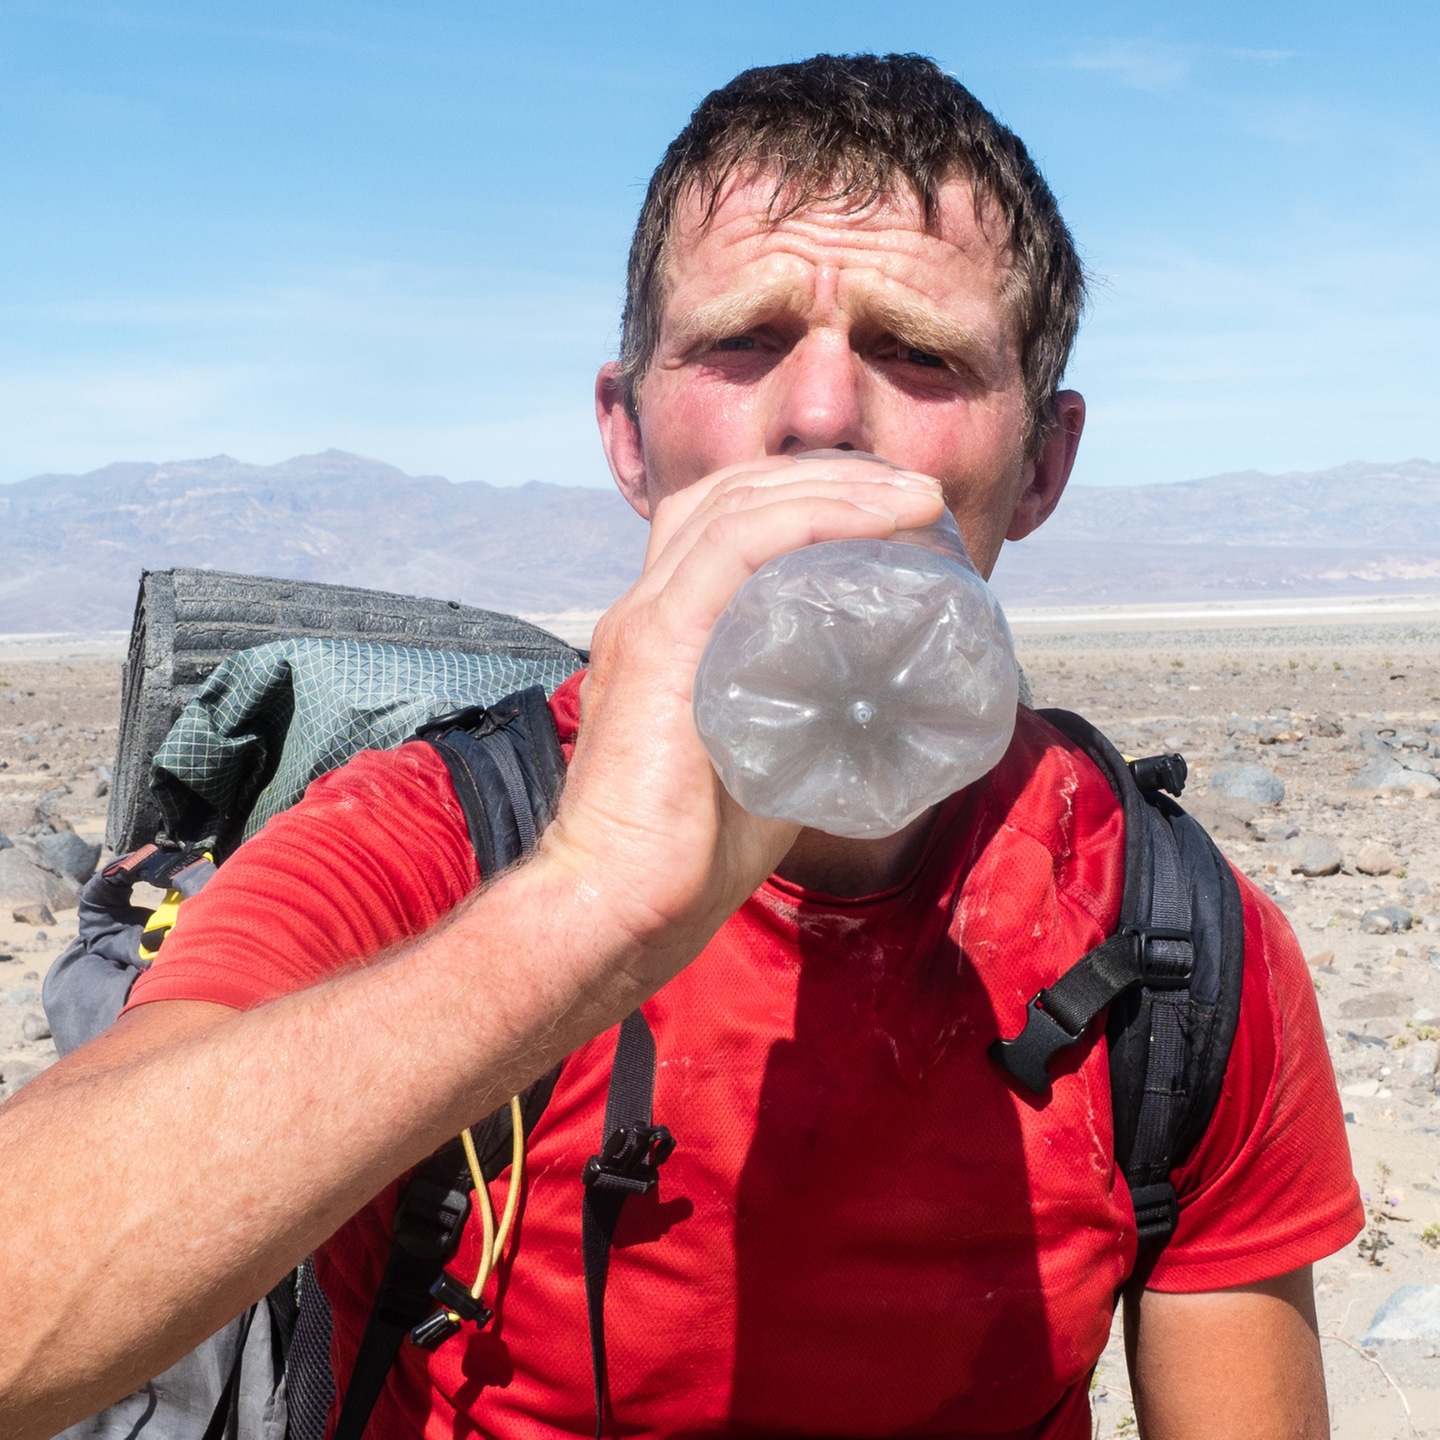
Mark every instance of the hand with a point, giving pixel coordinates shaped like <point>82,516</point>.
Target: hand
<point>644,819</point>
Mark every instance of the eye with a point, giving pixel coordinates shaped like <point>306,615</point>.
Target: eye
<point>922,357</point>
<point>736,342</point>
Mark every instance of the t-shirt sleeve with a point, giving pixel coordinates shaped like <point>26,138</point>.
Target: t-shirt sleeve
<point>375,853</point>
<point>1270,1186</point>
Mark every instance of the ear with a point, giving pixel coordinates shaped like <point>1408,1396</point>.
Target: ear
<point>620,435</point>
<point>1051,468</point>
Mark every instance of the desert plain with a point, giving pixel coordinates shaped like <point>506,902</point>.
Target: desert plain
<point>1339,705</point>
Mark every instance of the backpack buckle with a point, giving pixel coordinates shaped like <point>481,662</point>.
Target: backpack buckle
<point>1162,972</point>
<point>1027,1056</point>
<point>1161,772</point>
<point>630,1159</point>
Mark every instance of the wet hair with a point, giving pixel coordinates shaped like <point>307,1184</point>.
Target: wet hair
<point>858,129</point>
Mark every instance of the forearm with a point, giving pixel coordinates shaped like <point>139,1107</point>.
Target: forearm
<point>153,1197</point>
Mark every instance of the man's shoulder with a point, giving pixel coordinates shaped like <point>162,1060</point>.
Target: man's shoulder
<point>375,852</point>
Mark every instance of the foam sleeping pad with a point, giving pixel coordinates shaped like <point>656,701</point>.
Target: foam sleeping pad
<point>262,711</point>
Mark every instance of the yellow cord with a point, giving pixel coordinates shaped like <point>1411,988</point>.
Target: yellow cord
<point>492,1242</point>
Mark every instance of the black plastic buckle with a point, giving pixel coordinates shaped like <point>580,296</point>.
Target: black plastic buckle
<point>432,1332</point>
<point>1157,1212</point>
<point>1161,772</point>
<point>460,1307</point>
<point>630,1158</point>
<point>1027,1056</point>
<point>1157,972</point>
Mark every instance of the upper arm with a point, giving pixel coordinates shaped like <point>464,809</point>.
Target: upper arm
<point>1225,1364</point>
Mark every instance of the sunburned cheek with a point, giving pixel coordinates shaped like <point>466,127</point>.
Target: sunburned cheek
<point>698,429</point>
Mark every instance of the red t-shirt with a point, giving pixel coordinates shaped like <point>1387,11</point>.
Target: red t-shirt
<point>865,1228</point>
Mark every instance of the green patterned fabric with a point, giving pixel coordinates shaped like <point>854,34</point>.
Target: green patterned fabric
<point>270,720</point>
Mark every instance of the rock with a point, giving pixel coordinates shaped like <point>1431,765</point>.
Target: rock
<point>1376,859</point>
<point>5,841</point>
<point>1225,818</point>
<point>36,1027</point>
<point>1241,724</point>
<point>1411,1312</point>
<point>1277,732</point>
<point>24,880</point>
<point>33,913</point>
<point>67,854</point>
<point>1248,782</point>
<point>1381,1003</point>
<point>1314,855</point>
<point>1419,1056</point>
<point>23,995</point>
<point>1328,727</point>
<point>15,1072</point>
<point>102,789</point>
<point>1412,783</point>
<point>1273,828</point>
<point>1320,959</point>
<point>1362,1088</point>
<point>1386,920</point>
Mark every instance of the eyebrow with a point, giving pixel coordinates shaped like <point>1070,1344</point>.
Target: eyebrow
<point>736,313</point>
<point>919,326</point>
<point>915,325</point>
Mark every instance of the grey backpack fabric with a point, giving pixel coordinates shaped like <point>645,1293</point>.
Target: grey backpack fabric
<point>185,1402</point>
<point>270,720</point>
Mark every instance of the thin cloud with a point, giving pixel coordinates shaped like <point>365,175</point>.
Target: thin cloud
<point>1138,64</point>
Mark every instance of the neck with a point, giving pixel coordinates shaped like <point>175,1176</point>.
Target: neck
<point>850,868</point>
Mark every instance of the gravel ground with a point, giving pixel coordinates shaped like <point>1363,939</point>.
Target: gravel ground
<point>1314,705</point>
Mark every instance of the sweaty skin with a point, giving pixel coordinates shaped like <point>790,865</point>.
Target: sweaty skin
<point>217,1149</point>
<point>861,329</point>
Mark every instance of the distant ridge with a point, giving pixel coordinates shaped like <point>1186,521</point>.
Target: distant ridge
<point>72,546</point>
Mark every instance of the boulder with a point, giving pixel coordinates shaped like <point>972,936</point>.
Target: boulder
<point>1314,855</point>
<point>33,912</point>
<point>1414,784</point>
<point>65,853</point>
<point>1412,1312</point>
<point>23,880</point>
<point>1376,859</point>
<point>1386,920</point>
<point>5,841</point>
<point>1376,1006</point>
<point>1248,782</point>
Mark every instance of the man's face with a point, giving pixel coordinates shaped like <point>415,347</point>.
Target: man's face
<point>837,328</point>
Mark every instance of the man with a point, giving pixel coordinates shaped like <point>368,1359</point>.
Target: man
<point>866,1228</point>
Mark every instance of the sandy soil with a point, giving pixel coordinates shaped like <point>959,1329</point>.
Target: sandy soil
<point>1200,686</point>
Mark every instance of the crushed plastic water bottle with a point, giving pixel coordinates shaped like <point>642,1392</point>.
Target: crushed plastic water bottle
<point>851,685</point>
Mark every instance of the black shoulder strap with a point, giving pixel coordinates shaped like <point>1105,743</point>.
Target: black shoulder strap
<point>507,769</point>
<point>1170,977</point>
<point>631,1152</point>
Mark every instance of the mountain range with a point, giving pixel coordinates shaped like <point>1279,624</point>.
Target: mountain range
<point>72,546</point>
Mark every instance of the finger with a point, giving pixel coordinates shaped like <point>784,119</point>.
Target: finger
<point>676,510</point>
<point>908,505</point>
<point>733,546</point>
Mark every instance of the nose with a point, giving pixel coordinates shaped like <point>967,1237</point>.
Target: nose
<point>818,404</point>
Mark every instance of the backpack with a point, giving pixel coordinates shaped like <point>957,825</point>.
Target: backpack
<point>1169,978</point>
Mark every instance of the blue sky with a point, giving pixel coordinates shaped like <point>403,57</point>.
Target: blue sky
<point>266,229</point>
